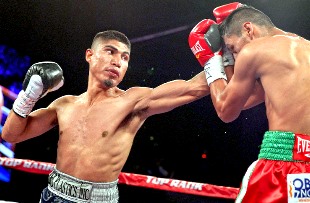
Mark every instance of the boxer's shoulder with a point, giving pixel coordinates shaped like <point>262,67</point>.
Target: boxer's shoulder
<point>137,91</point>
<point>66,99</point>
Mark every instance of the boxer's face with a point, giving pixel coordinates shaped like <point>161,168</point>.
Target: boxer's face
<point>235,43</point>
<point>108,62</point>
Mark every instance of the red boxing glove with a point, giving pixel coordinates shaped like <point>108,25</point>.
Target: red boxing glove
<point>205,41</point>
<point>223,11</point>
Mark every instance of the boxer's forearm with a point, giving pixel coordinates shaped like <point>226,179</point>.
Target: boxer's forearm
<point>14,126</point>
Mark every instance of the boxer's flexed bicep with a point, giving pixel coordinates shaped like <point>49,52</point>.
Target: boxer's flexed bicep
<point>233,99</point>
<point>257,97</point>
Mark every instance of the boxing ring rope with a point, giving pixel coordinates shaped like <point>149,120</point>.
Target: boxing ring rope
<point>172,185</point>
<point>6,92</point>
<point>11,95</point>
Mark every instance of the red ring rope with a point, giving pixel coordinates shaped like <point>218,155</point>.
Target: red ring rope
<point>172,185</point>
<point>8,93</point>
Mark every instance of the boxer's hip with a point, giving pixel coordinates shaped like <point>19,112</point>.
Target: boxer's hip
<point>77,190</point>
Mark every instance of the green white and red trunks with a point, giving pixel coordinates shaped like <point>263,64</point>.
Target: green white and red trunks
<point>282,171</point>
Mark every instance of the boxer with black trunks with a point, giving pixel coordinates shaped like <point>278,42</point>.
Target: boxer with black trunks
<point>96,128</point>
<point>277,62</point>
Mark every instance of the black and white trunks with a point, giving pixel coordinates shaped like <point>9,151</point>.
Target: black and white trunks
<point>65,188</point>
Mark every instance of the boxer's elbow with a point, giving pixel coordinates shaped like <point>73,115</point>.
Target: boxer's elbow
<point>226,118</point>
<point>9,137</point>
<point>225,113</point>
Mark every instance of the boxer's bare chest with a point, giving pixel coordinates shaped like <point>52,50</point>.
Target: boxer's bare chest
<point>102,119</point>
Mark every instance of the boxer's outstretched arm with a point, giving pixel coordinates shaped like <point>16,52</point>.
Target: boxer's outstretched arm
<point>174,94</point>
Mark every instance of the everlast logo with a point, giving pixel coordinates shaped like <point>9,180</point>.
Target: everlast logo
<point>303,146</point>
<point>197,48</point>
<point>69,188</point>
<point>301,150</point>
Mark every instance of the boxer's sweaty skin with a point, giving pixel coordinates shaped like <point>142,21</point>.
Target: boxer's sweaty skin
<point>280,61</point>
<point>97,128</point>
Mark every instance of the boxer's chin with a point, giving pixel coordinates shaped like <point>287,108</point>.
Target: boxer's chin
<point>108,83</point>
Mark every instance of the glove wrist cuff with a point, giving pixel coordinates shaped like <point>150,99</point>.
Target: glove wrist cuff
<point>214,69</point>
<point>23,104</point>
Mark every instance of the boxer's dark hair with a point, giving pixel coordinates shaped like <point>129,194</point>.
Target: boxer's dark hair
<point>232,24</point>
<point>112,35</point>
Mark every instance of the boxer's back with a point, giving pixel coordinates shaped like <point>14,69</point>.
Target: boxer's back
<point>285,76</point>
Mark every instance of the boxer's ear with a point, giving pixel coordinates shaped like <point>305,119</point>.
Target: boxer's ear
<point>88,54</point>
<point>249,29</point>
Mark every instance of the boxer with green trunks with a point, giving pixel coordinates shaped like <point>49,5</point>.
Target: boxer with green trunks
<point>282,172</point>
<point>272,66</point>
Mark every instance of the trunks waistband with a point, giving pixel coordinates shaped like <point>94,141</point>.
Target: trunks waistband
<point>77,190</point>
<point>285,146</point>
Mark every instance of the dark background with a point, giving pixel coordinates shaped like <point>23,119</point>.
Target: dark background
<point>61,31</point>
